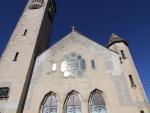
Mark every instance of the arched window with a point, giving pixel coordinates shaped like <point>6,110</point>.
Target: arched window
<point>50,104</point>
<point>73,104</point>
<point>97,102</point>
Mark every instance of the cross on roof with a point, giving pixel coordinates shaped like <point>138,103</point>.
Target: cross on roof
<point>73,28</point>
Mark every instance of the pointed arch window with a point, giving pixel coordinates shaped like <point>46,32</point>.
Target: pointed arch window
<point>73,103</point>
<point>49,104</point>
<point>97,102</point>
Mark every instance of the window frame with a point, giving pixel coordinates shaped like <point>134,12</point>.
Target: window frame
<point>132,82</point>
<point>16,56</point>
<point>45,99</point>
<point>25,32</point>
<point>123,54</point>
<point>54,66</point>
<point>67,99</point>
<point>93,65</point>
<point>90,100</point>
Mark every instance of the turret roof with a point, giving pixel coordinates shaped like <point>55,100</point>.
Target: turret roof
<point>115,39</point>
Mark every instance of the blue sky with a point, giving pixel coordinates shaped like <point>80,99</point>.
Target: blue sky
<point>96,19</point>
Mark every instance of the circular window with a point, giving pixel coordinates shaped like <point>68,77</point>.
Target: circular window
<point>72,65</point>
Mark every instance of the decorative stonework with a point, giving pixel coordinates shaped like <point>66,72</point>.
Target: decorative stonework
<point>72,65</point>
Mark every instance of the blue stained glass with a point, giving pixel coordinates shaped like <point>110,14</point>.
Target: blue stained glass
<point>73,104</point>
<point>73,109</point>
<point>50,105</point>
<point>73,65</point>
<point>98,109</point>
<point>97,104</point>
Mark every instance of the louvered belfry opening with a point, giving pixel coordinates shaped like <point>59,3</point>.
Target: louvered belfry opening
<point>41,1</point>
<point>36,4</point>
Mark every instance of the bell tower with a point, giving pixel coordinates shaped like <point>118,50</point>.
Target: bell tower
<point>120,46</point>
<point>30,38</point>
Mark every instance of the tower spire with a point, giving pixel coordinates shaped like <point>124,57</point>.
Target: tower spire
<point>21,52</point>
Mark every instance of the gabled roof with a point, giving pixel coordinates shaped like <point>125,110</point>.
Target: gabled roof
<point>115,39</point>
<point>76,37</point>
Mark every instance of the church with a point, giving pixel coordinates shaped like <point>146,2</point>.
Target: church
<point>75,75</point>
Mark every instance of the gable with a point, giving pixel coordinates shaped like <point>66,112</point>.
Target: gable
<point>89,50</point>
<point>78,41</point>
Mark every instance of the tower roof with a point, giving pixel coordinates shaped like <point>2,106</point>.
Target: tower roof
<point>116,39</point>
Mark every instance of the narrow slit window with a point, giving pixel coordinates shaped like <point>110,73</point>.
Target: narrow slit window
<point>93,64</point>
<point>16,56</point>
<point>82,64</point>
<point>54,66</point>
<point>120,60</point>
<point>123,55</point>
<point>25,32</point>
<point>132,81</point>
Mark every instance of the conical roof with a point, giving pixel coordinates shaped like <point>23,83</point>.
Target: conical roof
<point>116,39</point>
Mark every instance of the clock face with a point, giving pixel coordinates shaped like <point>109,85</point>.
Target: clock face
<point>52,9</point>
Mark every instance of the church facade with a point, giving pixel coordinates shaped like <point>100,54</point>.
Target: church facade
<point>75,75</point>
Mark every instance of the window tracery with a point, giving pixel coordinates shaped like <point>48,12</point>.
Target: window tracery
<point>73,104</point>
<point>72,65</point>
<point>97,103</point>
<point>49,104</point>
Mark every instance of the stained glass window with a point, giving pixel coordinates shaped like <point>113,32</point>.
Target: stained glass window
<point>73,104</point>
<point>97,103</point>
<point>50,104</point>
<point>72,65</point>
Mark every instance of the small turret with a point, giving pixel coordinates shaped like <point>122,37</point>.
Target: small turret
<point>120,46</point>
<point>116,39</point>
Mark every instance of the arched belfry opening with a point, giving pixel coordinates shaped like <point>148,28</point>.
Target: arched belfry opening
<point>97,102</point>
<point>72,103</point>
<point>36,4</point>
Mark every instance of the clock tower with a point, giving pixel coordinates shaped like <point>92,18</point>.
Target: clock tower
<point>29,39</point>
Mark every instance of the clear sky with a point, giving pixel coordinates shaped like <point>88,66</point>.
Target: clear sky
<point>96,19</point>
